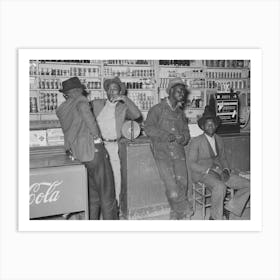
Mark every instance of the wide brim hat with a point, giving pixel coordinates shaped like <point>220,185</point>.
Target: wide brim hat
<point>115,80</point>
<point>71,83</point>
<point>175,82</point>
<point>208,114</point>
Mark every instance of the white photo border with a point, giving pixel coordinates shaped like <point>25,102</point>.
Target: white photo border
<point>255,222</point>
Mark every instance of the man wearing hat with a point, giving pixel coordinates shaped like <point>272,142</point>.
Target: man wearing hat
<point>167,126</point>
<point>110,114</point>
<point>82,139</point>
<point>209,165</point>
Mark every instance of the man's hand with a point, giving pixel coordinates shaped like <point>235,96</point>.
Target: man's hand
<point>215,171</point>
<point>171,138</point>
<point>180,138</point>
<point>214,174</point>
<point>225,175</point>
<point>118,98</point>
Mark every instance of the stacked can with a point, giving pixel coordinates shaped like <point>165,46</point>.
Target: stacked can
<point>33,105</point>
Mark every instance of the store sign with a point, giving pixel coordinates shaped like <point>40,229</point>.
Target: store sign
<point>227,111</point>
<point>44,192</point>
<point>57,190</point>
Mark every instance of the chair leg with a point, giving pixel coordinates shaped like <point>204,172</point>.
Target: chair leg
<point>194,198</point>
<point>203,202</point>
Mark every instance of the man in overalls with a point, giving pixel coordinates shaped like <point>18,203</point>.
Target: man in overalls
<point>167,126</point>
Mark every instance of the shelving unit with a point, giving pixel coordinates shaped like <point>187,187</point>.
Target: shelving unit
<point>146,82</point>
<point>224,78</point>
<point>139,77</point>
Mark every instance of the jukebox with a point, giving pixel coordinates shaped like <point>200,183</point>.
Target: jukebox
<point>227,109</point>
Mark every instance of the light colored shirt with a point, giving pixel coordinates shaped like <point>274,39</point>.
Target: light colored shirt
<point>107,121</point>
<point>212,143</point>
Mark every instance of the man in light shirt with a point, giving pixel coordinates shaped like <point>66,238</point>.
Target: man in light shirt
<point>209,165</point>
<point>111,113</point>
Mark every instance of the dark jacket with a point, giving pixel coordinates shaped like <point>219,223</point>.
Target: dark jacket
<point>160,123</point>
<point>79,127</point>
<point>201,155</point>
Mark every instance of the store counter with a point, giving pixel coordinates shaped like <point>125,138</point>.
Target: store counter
<point>142,194</point>
<point>57,186</point>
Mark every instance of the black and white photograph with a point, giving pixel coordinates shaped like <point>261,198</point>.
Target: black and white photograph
<point>140,139</point>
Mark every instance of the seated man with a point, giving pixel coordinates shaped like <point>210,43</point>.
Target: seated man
<point>209,165</point>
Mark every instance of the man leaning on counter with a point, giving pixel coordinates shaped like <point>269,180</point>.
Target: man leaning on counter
<point>82,139</point>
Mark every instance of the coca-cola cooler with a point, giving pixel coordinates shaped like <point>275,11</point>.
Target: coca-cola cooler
<point>56,190</point>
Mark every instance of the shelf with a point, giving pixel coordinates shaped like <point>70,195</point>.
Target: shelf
<point>188,88</point>
<point>180,66</point>
<point>225,79</point>
<point>44,124</point>
<point>129,77</point>
<point>43,113</point>
<point>140,89</point>
<point>71,63</point>
<point>94,89</point>
<point>48,89</point>
<point>61,77</point>
<point>214,68</point>
<point>51,89</point>
<point>128,65</point>
<point>184,78</point>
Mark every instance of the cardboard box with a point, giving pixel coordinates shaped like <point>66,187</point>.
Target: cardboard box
<point>38,138</point>
<point>55,136</point>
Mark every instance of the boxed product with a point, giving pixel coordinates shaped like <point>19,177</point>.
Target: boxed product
<point>55,136</point>
<point>38,138</point>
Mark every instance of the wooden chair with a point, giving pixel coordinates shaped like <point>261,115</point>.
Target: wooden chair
<point>201,195</point>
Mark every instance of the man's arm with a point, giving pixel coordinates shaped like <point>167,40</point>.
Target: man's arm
<point>193,157</point>
<point>86,114</point>
<point>223,158</point>
<point>186,131</point>
<point>132,112</point>
<point>151,126</point>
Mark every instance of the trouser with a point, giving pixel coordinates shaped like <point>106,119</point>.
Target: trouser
<point>218,188</point>
<point>241,196</point>
<point>101,186</point>
<point>113,151</point>
<point>173,174</point>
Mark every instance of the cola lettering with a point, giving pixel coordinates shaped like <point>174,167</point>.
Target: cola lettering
<point>44,192</point>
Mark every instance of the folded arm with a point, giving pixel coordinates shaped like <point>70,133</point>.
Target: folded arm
<point>132,112</point>
<point>88,117</point>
